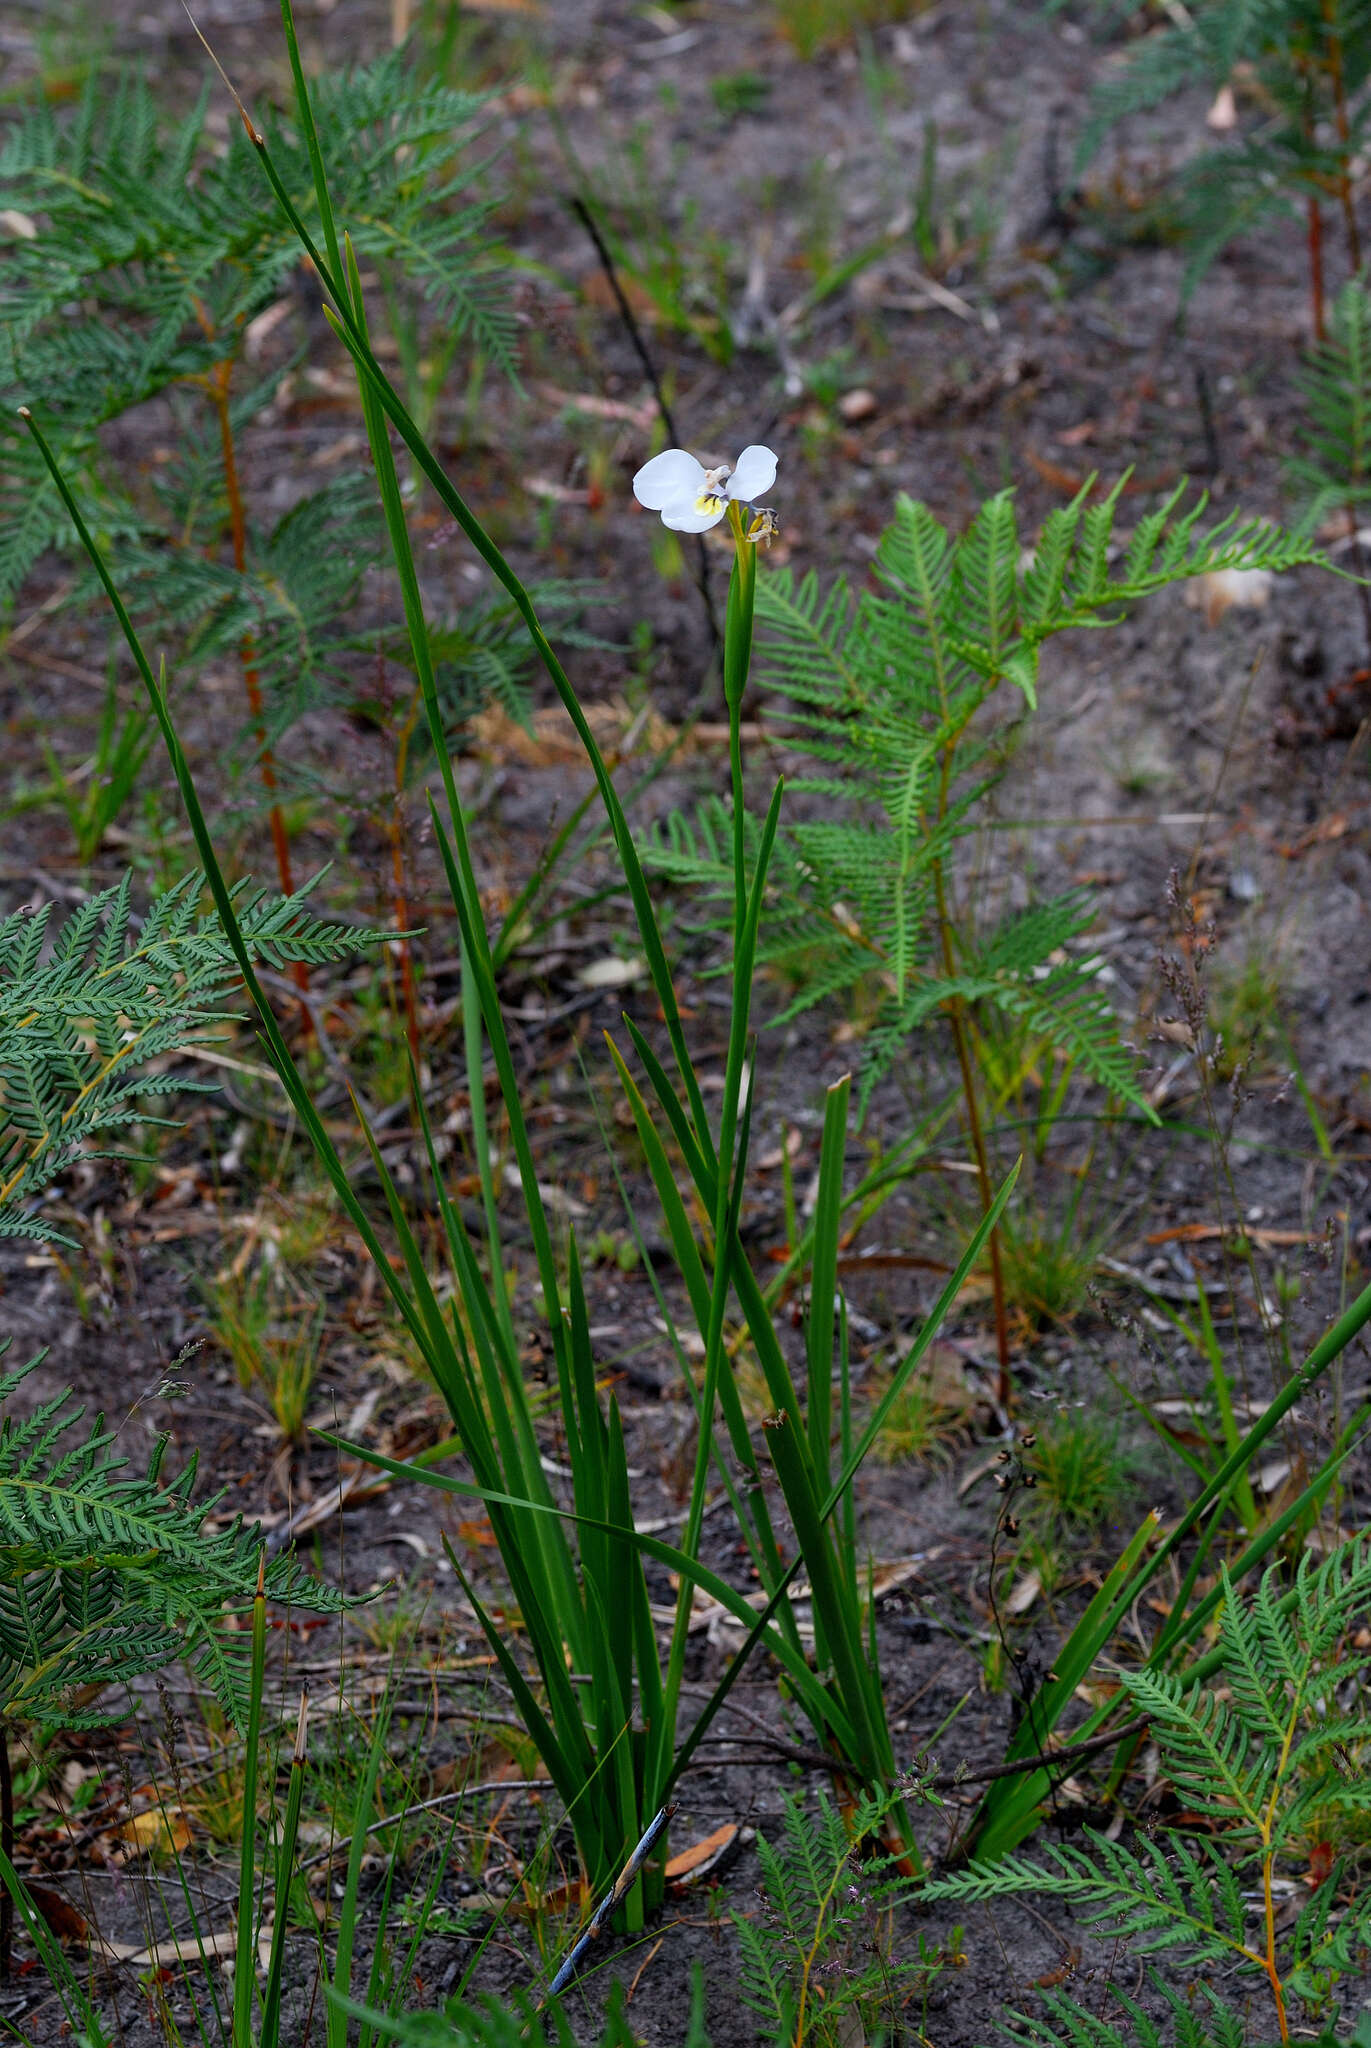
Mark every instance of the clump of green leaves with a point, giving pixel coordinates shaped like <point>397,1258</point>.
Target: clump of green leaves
<point>930,1414</point>
<point>819,1961</point>
<point>1275,1732</point>
<point>1080,1469</point>
<point>273,1343</point>
<point>739,92</point>
<point>94,797</point>
<point>882,689</point>
<point>817,25</point>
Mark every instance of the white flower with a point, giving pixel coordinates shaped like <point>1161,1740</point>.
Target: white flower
<point>692,498</point>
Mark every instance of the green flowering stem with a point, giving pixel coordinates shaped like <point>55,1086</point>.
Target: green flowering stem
<point>742,594</point>
<point>735,1109</point>
<point>742,591</point>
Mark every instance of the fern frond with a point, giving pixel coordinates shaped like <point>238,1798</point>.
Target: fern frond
<point>1163,1895</point>
<point>482,654</point>
<point>1218,1764</point>
<point>799,653</point>
<point>106,1575</point>
<point>883,690</point>
<point>819,1926</point>
<point>1334,470</point>
<point>1022,973</point>
<point>155,246</point>
<point>1307,68</point>
<point>1331,1937</point>
<point>81,1021</point>
<point>1275,1742</point>
<point>763,1981</point>
<point>1330,1593</point>
<point>1069,2025</point>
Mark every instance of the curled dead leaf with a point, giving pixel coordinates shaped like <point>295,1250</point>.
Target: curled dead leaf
<point>704,1859</point>
<point>158,1831</point>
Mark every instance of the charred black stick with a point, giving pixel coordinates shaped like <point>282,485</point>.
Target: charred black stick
<point>634,332</point>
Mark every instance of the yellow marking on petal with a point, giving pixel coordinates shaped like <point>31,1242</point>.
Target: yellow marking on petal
<point>712,506</point>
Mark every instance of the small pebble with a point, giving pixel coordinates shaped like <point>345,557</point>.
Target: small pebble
<point>856,406</point>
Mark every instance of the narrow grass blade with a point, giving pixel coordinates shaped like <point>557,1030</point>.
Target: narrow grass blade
<point>917,1350</point>
<point>869,1195</point>
<point>81,2015</point>
<point>245,1951</point>
<point>270,2031</point>
<point>1006,1819</point>
<point>348,1906</point>
<point>823,1286</point>
<point>311,134</point>
<point>416,626</point>
<point>1009,1799</point>
<point>846,1440</point>
<point>568,1775</point>
<point>841,1618</point>
<point>692,1271</point>
<point>1243,1497</point>
<point>466,902</point>
<point>1184,1626</point>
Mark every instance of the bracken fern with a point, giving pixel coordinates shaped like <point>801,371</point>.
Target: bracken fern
<point>1332,473</point>
<point>1267,1759</point>
<point>881,688</point>
<point>818,1964</point>
<point>138,254</point>
<point>86,1020</point>
<point>1208,2024</point>
<point>107,1575</point>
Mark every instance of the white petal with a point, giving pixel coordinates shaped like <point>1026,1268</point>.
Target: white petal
<point>671,475</point>
<point>753,474</point>
<point>682,515</point>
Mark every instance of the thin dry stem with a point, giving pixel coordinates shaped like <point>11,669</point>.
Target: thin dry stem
<point>399,888</point>
<point>1338,82</point>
